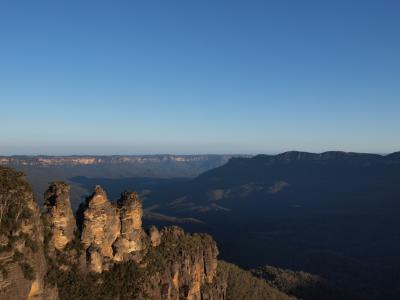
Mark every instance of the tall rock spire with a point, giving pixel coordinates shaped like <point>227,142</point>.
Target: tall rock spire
<point>101,227</point>
<point>59,214</point>
<point>131,239</point>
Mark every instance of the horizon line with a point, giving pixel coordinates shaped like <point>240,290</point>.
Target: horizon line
<point>194,154</point>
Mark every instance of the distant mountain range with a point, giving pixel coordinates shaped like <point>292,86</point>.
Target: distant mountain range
<point>287,176</point>
<point>76,160</point>
<point>43,169</point>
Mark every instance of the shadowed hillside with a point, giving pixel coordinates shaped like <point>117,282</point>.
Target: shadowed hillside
<point>334,214</point>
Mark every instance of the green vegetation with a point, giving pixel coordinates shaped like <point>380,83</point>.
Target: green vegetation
<point>242,285</point>
<point>14,211</point>
<point>301,284</point>
<point>13,206</point>
<point>173,246</point>
<point>68,258</point>
<point>122,281</point>
<point>72,284</point>
<point>157,262</point>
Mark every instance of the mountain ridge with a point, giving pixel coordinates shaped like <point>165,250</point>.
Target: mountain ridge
<point>295,155</point>
<point>75,160</point>
<point>344,206</point>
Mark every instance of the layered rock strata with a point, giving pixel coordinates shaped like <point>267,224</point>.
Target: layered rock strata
<point>130,240</point>
<point>59,215</point>
<point>101,228</point>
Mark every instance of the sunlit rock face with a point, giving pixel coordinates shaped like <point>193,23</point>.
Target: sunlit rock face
<point>101,228</point>
<point>59,214</point>
<point>193,268</point>
<point>155,236</point>
<point>130,240</point>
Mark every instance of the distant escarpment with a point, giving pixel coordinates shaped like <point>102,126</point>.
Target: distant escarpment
<point>104,253</point>
<point>79,160</point>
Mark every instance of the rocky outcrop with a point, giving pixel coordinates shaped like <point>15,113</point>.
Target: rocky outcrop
<point>155,236</point>
<point>130,240</point>
<point>22,261</point>
<point>190,268</point>
<point>101,228</point>
<point>59,216</point>
<point>112,232</point>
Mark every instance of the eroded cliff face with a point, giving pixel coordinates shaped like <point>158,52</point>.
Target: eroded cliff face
<point>59,215</point>
<point>101,228</point>
<point>22,261</point>
<point>129,244</point>
<point>188,267</point>
<point>110,253</point>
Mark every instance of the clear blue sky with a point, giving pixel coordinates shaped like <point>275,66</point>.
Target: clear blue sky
<point>133,77</point>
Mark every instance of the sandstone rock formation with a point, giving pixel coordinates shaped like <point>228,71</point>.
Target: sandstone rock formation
<point>155,236</point>
<point>59,214</point>
<point>130,240</point>
<point>191,267</point>
<point>101,228</point>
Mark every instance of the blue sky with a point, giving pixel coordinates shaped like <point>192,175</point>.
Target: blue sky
<point>134,77</point>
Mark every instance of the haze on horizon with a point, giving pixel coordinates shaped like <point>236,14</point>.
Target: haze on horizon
<point>125,77</point>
